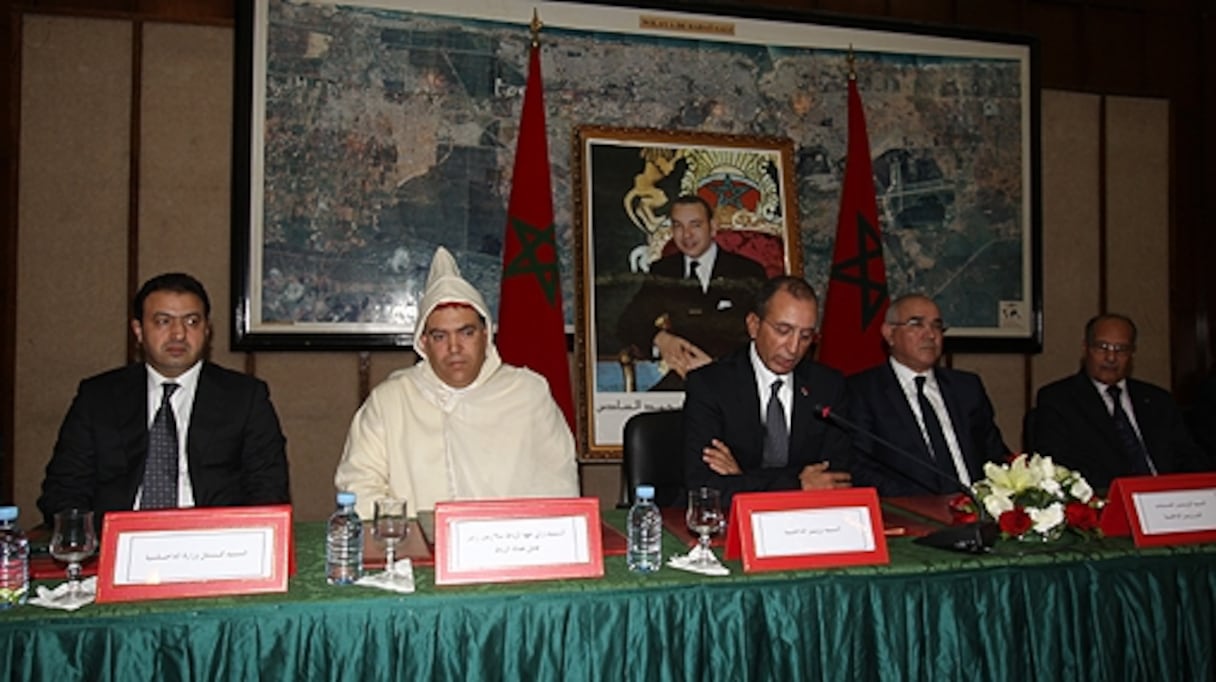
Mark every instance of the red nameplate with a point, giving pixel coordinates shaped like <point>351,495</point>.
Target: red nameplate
<point>806,529</point>
<point>1174,509</point>
<point>198,552</point>
<point>517,539</point>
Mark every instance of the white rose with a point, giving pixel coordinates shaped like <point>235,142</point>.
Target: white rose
<point>997,503</point>
<point>1047,518</point>
<point>1050,485</point>
<point>1080,489</point>
<point>1042,467</point>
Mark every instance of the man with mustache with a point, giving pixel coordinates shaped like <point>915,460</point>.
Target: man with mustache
<point>172,431</point>
<point>749,418</point>
<point>1105,424</point>
<point>941,415</point>
<point>460,424</point>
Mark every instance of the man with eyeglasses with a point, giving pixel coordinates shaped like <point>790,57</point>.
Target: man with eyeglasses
<point>172,431</point>
<point>749,418</point>
<point>939,414</point>
<point>1105,424</point>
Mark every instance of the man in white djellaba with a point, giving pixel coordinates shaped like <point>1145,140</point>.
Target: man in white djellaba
<point>460,424</point>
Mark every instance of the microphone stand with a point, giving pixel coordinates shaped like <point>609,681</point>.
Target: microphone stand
<point>976,537</point>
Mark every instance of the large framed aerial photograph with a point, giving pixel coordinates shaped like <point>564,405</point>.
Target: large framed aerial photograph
<point>370,132</point>
<point>631,271</point>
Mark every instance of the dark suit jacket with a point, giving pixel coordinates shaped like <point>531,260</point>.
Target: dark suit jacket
<point>880,406</point>
<point>721,401</point>
<point>1072,423</point>
<point>713,320</point>
<point>235,448</point>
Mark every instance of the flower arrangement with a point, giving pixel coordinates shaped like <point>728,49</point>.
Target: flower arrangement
<point>1033,498</point>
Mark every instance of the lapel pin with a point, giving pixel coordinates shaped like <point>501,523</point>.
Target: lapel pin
<point>805,392</point>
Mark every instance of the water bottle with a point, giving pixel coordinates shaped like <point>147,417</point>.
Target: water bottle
<point>645,553</point>
<point>344,543</point>
<point>14,560</point>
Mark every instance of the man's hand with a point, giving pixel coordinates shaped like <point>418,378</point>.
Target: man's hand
<point>817,477</point>
<point>718,458</point>
<point>679,354</point>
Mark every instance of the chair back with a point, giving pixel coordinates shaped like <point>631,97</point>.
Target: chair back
<point>654,455</point>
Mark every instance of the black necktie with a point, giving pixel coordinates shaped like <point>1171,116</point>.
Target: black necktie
<point>1136,453</point>
<point>776,434</point>
<point>933,428</point>
<point>160,469</point>
<point>692,270</point>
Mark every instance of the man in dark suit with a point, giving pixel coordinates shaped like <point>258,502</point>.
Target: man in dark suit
<point>942,416</point>
<point>691,307</point>
<point>749,418</point>
<point>1105,424</point>
<point>172,431</point>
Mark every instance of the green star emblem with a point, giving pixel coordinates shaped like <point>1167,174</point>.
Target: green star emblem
<point>856,271</point>
<point>528,262</point>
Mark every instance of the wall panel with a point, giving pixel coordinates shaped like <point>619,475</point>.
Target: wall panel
<point>315,395</point>
<point>1138,226</point>
<point>185,125</point>
<point>72,211</point>
<point>1071,185</point>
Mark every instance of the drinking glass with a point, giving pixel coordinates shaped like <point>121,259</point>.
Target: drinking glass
<point>74,539</point>
<point>704,518</point>
<point>390,526</point>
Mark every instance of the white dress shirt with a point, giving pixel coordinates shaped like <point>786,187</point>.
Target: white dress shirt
<point>705,265</point>
<point>182,401</point>
<point>764,387</point>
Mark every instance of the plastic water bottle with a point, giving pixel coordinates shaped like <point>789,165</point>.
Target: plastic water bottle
<point>14,560</point>
<point>344,543</point>
<point>645,553</point>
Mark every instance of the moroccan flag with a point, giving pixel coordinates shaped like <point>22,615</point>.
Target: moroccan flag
<point>531,326</point>
<point>857,297</point>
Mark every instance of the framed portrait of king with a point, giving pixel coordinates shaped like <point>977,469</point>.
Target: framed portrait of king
<point>676,232</point>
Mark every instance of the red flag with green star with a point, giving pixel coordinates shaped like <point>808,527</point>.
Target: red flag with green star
<point>531,325</point>
<point>857,299</point>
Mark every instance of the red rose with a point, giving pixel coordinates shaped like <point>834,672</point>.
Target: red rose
<point>960,518</point>
<point>1015,522</point>
<point>962,510</point>
<point>1081,516</point>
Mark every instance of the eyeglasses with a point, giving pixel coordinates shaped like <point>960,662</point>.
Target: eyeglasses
<point>786,330</point>
<point>920,324</point>
<point>1116,348</point>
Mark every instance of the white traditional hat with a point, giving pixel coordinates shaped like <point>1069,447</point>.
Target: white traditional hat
<point>444,285</point>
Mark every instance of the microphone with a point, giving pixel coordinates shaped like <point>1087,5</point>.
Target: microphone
<point>974,538</point>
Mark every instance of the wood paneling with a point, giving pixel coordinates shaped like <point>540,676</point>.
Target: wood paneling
<point>1114,51</point>
<point>72,264</point>
<point>1062,36</point>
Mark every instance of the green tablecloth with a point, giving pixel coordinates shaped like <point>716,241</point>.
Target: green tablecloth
<point>1101,610</point>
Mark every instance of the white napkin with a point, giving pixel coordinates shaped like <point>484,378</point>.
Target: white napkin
<point>687,562</point>
<point>402,582</point>
<point>60,597</point>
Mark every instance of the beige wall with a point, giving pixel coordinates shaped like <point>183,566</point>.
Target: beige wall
<point>73,248</point>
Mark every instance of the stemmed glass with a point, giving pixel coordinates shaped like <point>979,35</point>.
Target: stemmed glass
<point>390,525</point>
<point>74,540</point>
<point>704,518</point>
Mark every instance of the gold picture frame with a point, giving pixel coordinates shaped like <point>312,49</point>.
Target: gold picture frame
<point>625,180</point>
